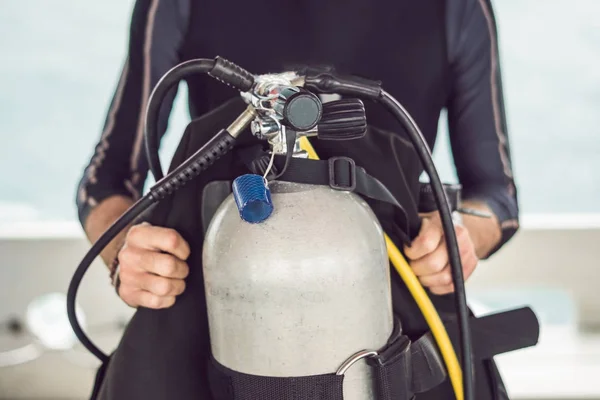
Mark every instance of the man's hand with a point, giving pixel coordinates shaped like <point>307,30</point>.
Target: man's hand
<point>152,266</point>
<point>428,255</point>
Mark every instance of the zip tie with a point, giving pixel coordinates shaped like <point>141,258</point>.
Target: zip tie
<point>269,167</point>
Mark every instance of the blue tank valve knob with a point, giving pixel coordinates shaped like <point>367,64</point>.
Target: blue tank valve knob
<point>253,198</point>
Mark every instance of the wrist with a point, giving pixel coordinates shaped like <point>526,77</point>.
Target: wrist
<point>111,252</point>
<point>485,233</point>
<point>101,218</point>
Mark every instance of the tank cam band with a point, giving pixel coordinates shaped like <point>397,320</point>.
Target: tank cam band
<point>400,370</point>
<point>395,368</point>
<point>226,384</point>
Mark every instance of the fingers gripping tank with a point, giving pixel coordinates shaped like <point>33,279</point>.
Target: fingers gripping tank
<point>301,292</point>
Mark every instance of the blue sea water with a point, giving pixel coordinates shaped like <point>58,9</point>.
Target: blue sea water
<point>60,61</point>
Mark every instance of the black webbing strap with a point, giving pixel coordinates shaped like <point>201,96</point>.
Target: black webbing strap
<point>402,368</point>
<point>227,384</point>
<point>340,173</point>
<point>498,333</point>
<point>392,372</point>
<point>429,369</point>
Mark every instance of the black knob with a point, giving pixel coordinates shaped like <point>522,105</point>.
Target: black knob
<point>427,200</point>
<point>343,120</point>
<point>302,111</point>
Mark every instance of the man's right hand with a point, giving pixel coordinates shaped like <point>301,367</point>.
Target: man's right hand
<point>152,266</point>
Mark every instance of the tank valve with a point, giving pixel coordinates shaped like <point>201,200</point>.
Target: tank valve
<point>253,198</point>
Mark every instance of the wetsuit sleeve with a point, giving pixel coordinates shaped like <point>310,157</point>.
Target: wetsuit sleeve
<point>118,165</point>
<point>476,117</point>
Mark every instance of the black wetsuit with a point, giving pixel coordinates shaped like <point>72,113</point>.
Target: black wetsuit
<point>430,54</point>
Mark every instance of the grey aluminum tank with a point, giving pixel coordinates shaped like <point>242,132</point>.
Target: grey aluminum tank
<point>301,292</point>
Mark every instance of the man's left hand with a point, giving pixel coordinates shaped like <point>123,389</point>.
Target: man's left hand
<point>428,255</point>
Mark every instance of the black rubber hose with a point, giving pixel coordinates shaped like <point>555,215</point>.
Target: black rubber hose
<point>186,171</point>
<point>130,215</point>
<point>166,83</point>
<point>449,234</point>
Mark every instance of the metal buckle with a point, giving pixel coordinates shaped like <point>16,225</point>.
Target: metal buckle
<point>332,181</point>
<point>356,357</point>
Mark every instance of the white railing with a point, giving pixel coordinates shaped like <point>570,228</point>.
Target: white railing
<point>558,254</point>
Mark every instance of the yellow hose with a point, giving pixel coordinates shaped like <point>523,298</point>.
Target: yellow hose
<point>423,301</point>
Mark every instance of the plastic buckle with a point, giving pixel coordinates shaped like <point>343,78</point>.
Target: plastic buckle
<point>333,183</point>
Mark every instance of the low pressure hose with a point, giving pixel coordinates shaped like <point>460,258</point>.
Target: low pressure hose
<point>219,68</point>
<point>189,169</point>
<point>441,201</point>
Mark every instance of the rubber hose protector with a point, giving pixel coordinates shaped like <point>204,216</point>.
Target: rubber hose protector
<point>166,83</point>
<point>218,146</point>
<point>350,85</point>
<point>232,74</point>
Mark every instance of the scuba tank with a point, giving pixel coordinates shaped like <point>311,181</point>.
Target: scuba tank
<point>295,271</point>
<point>321,284</point>
<point>275,275</point>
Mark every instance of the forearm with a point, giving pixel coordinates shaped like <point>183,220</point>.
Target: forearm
<point>477,125</point>
<point>485,232</point>
<point>102,217</point>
